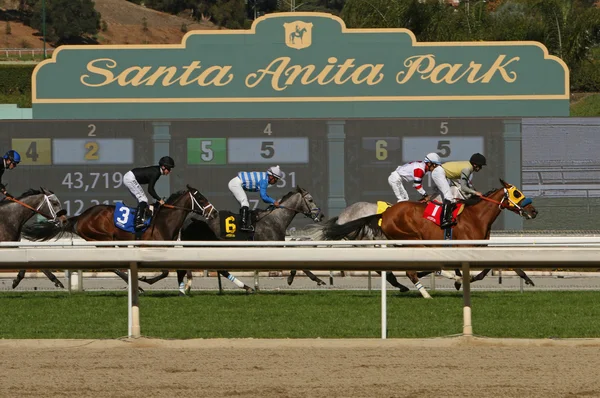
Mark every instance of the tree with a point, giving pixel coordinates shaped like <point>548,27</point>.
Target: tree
<point>67,21</point>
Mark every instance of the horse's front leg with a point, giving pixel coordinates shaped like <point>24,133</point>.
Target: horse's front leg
<point>392,280</point>
<point>523,275</point>
<point>20,277</point>
<point>125,277</point>
<point>155,279</point>
<point>412,275</point>
<point>236,281</point>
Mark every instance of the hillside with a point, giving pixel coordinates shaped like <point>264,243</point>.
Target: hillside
<point>124,26</point>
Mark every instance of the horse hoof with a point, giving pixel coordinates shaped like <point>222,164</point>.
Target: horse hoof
<point>321,283</point>
<point>248,289</point>
<point>181,294</point>
<point>143,279</point>
<point>15,283</point>
<point>290,279</point>
<point>529,282</point>
<point>404,289</point>
<point>141,290</point>
<point>59,284</point>
<point>457,285</point>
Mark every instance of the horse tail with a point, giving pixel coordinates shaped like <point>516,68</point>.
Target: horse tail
<point>317,231</point>
<point>44,231</point>
<point>362,228</point>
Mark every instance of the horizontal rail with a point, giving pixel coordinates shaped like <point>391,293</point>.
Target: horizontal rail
<point>321,258</point>
<point>499,241</point>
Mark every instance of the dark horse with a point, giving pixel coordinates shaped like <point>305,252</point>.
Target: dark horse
<point>271,224</point>
<point>97,224</point>
<point>15,212</point>
<point>404,220</point>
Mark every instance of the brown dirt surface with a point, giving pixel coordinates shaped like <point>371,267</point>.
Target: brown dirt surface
<point>443,367</point>
<point>124,20</point>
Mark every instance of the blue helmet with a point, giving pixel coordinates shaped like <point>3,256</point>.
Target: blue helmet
<point>13,156</point>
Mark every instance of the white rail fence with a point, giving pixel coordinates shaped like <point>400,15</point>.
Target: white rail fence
<point>533,253</point>
<point>24,52</point>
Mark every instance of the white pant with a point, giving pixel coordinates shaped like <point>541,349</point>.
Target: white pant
<point>395,182</point>
<point>235,186</point>
<point>134,187</point>
<point>442,186</point>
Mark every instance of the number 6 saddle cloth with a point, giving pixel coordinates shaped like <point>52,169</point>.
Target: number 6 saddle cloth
<point>124,218</point>
<point>231,223</point>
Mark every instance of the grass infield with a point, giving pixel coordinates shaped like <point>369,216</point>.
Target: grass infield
<point>298,314</point>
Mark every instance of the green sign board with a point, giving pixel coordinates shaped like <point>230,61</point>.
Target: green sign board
<point>301,65</point>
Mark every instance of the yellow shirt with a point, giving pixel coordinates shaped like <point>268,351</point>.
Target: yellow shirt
<point>458,170</point>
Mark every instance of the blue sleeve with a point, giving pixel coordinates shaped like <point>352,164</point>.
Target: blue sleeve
<point>262,185</point>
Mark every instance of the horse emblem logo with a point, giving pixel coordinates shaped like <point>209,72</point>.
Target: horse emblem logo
<point>298,34</point>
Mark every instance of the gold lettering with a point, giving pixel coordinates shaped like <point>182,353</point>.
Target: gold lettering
<point>447,77</point>
<point>170,72</point>
<point>413,64</point>
<point>373,77</point>
<point>294,71</point>
<point>108,75</point>
<point>138,73</point>
<point>339,76</point>
<point>222,72</point>
<point>508,77</point>
<point>183,79</point>
<point>278,65</point>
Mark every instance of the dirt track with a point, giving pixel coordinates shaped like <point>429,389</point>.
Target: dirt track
<point>450,367</point>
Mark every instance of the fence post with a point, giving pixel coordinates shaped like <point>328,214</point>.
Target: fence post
<point>467,324</point>
<point>134,302</point>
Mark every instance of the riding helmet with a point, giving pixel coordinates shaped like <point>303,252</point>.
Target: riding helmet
<point>433,158</point>
<point>274,171</point>
<point>13,156</point>
<point>478,160</point>
<point>167,162</point>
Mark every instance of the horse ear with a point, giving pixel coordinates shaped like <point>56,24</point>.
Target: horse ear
<point>298,188</point>
<point>504,183</point>
<point>188,187</point>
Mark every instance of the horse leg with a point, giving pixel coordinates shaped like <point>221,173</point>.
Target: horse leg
<point>53,278</point>
<point>392,280</point>
<point>19,278</point>
<point>523,275</point>
<point>412,275</point>
<point>291,276</point>
<point>125,277</point>
<point>188,284</point>
<point>313,277</point>
<point>155,279</point>
<point>236,281</point>
<point>481,275</point>
<point>180,276</point>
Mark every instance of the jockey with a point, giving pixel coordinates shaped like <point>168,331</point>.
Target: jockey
<point>459,174</point>
<point>413,171</point>
<point>253,181</point>
<point>10,160</point>
<point>146,175</point>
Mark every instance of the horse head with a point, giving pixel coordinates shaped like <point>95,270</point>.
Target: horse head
<point>201,202</point>
<point>306,205</point>
<point>514,200</point>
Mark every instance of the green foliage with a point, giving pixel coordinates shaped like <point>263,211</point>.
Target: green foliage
<point>228,13</point>
<point>67,21</point>
<point>589,106</point>
<point>15,79</point>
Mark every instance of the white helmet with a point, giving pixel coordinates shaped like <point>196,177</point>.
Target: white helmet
<point>433,158</point>
<point>274,171</point>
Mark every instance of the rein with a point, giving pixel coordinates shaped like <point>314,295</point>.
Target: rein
<point>516,209</point>
<point>15,200</point>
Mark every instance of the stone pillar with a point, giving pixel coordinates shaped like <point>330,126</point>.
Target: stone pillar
<point>161,137</point>
<point>336,200</point>
<point>513,163</point>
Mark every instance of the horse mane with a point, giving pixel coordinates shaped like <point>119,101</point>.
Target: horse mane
<point>174,196</point>
<point>473,200</point>
<point>30,192</point>
<point>290,194</point>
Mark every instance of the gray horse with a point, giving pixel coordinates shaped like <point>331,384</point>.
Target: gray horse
<point>15,212</point>
<point>365,209</point>
<point>271,224</point>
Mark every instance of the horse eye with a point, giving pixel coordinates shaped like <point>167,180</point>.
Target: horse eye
<point>517,194</point>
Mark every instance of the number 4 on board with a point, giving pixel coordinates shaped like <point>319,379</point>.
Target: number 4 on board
<point>268,129</point>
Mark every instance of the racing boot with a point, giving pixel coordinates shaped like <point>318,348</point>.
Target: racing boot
<point>245,219</point>
<point>447,215</point>
<point>140,216</point>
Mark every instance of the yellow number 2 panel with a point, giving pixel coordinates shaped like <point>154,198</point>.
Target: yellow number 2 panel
<point>33,151</point>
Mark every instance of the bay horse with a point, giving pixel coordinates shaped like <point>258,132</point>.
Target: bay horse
<point>97,224</point>
<point>271,224</point>
<point>405,221</point>
<point>15,212</point>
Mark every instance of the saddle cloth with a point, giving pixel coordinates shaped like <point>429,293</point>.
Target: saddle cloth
<point>230,224</point>
<point>381,207</point>
<point>433,212</point>
<point>124,218</point>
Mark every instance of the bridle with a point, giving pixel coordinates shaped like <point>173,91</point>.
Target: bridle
<point>311,213</point>
<point>508,203</point>
<point>205,211</point>
<point>53,214</point>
